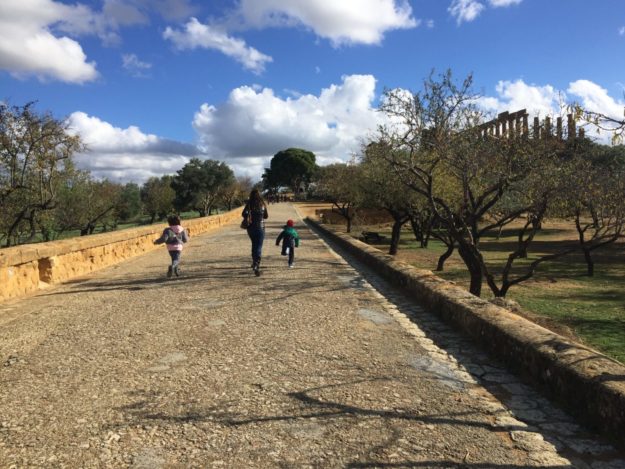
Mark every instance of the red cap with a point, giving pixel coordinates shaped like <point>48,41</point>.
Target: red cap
<point>289,223</point>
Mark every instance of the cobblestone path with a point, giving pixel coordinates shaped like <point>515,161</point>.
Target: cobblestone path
<point>322,365</point>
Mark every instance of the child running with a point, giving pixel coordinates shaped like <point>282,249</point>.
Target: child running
<point>174,237</point>
<point>290,240</point>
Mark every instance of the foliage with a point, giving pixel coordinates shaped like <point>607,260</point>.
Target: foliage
<point>473,183</point>
<point>237,192</point>
<point>87,204</point>
<point>130,202</point>
<point>602,122</point>
<point>290,168</point>
<point>379,187</point>
<point>200,184</point>
<point>35,160</point>
<point>337,183</point>
<point>158,197</point>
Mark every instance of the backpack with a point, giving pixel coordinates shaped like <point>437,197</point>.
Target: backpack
<point>173,237</point>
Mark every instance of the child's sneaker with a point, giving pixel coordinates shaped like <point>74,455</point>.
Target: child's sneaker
<point>177,271</point>
<point>291,265</point>
<point>170,270</point>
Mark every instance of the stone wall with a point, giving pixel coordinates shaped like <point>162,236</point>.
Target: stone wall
<point>27,268</point>
<point>590,385</point>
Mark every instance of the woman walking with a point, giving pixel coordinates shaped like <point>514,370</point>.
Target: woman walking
<point>254,214</point>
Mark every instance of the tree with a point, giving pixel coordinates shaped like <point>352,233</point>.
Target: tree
<point>290,168</point>
<point>439,149</point>
<point>130,202</point>
<point>237,192</point>
<point>338,183</point>
<point>597,197</point>
<point>380,190</point>
<point>35,158</point>
<point>200,184</point>
<point>158,197</point>
<point>603,122</point>
<point>87,204</point>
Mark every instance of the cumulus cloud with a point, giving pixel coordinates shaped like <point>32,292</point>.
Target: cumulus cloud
<point>546,100</point>
<point>363,22</point>
<point>515,95</point>
<point>255,123</point>
<point>126,154</point>
<point>29,47</point>
<point>197,35</point>
<point>596,99</point>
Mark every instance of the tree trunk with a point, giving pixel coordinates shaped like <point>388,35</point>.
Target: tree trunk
<point>349,224</point>
<point>395,236</point>
<point>474,267</point>
<point>416,229</point>
<point>590,264</point>
<point>444,257</point>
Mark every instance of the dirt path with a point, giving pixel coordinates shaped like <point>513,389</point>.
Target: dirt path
<point>304,367</point>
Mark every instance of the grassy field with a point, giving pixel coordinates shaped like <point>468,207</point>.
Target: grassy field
<point>560,296</point>
<point>141,221</point>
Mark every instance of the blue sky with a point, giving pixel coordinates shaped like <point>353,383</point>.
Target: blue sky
<point>149,84</point>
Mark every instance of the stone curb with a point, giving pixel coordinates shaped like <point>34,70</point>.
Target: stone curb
<point>590,385</point>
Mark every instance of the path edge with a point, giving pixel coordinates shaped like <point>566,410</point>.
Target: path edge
<point>588,384</point>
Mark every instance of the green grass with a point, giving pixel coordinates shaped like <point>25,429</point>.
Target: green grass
<point>560,296</point>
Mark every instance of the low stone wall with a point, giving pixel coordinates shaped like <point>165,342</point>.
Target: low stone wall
<point>590,385</point>
<point>27,268</point>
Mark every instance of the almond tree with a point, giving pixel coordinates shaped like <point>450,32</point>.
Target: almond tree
<point>338,183</point>
<point>438,149</point>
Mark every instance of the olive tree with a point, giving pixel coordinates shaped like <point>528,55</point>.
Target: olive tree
<point>35,158</point>
<point>199,185</point>
<point>157,196</point>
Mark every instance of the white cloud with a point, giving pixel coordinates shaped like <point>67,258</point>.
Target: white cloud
<point>503,3</point>
<point>135,67</point>
<point>468,10</point>
<point>256,124</point>
<point>595,98</point>
<point>342,22</point>
<point>516,95</point>
<point>198,35</point>
<point>465,10</point>
<point>28,47</point>
<point>126,154</point>
<point>546,100</point>
<point>621,31</point>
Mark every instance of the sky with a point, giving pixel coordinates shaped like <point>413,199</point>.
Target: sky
<point>150,84</point>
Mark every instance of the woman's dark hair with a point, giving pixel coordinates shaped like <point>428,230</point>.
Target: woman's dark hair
<point>173,220</point>
<point>256,200</point>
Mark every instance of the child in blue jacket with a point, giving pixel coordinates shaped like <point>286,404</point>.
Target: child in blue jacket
<point>290,240</point>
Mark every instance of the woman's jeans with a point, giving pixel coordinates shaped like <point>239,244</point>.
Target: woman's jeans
<point>257,235</point>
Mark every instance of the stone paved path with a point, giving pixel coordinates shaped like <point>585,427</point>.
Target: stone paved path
<point>323,365</point>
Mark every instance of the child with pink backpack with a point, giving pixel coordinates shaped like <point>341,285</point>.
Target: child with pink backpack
<point>174,237</point>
